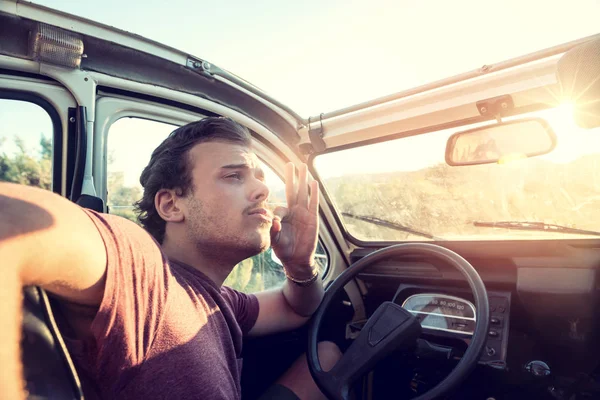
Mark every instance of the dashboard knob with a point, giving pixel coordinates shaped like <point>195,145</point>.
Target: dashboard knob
<point>538,368</point>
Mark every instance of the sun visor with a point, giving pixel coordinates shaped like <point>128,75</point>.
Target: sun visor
<point>578,72</point>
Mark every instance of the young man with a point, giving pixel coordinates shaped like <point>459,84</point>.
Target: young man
<point>147,316</point>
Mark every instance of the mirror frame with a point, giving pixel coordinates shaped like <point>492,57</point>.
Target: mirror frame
<point>452,139</point>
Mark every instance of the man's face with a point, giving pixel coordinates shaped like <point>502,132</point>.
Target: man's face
<point>226,209</point>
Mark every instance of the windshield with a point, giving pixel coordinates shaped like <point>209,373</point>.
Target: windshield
<point>407,183</point>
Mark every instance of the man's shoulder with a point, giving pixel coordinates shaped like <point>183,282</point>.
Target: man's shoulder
<point>118,224</point>
<point>126,241</point>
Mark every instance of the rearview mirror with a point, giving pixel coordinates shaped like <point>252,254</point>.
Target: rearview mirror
<point>500,142</point>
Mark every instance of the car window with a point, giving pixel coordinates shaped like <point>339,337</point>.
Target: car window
<point>403,189</point>
<point>125,166</point>
<point>26,133</point>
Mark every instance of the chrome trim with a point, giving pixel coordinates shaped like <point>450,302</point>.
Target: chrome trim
<point>440,315</point>
<point>445,296</point>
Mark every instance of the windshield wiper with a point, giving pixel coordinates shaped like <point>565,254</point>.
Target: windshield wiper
<point>389,224</point>
<point>534,226</point>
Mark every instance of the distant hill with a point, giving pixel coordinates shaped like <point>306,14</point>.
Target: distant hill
<point>445,200</point>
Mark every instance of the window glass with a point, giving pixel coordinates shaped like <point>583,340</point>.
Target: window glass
<point>26,133</point>
<point>130,143</point>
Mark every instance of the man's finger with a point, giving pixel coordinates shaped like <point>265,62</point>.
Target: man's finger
<point>281,213</point>
<point>302,199</point>
<point>290,189</point>
<point>313,207</point>
<point>278,215</point>
<point>275,231</point>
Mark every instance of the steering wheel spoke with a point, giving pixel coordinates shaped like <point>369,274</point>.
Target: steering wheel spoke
<point>390,328</point>
<point>430,351</point>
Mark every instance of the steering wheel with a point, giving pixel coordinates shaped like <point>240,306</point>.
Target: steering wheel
<point>391,327</point>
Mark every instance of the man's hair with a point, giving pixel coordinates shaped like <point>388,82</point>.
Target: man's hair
<point>170,165</point>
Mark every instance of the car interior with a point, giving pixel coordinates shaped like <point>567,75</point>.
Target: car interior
<point>435,286</point>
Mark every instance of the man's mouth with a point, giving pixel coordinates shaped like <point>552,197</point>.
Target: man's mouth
<point>261,213</point>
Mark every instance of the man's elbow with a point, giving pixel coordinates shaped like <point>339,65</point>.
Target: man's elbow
<point>19,220</point>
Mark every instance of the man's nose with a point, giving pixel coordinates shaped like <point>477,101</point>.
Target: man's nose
<point>261,192</point>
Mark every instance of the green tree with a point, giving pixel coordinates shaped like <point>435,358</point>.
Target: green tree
<point>121,198</point>
<point>27,167</point>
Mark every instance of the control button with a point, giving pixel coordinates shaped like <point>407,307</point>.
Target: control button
<point>490,351</point>
<point>492,307</point>
<point>493,333</point>
<point>495,321</point>
<point>501,309</point>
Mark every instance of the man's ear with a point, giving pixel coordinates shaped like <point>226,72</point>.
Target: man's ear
<point>168,205</point>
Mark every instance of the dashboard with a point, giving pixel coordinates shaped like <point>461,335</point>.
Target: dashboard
<point>543,298</point>
<point>543,294</point>
<point>450,313</point>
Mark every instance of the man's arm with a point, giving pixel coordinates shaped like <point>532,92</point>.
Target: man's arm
<point>294,240</point>
<point>286,308</point>
<point>48,241</point>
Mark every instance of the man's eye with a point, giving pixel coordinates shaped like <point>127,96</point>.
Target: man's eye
<point>236,175</point>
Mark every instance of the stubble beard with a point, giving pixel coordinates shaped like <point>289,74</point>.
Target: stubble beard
<point>207,232</point>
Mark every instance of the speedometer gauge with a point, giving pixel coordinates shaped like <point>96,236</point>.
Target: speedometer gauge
<point>442,312</point>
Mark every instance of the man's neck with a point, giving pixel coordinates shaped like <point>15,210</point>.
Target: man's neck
<point>210,265</point>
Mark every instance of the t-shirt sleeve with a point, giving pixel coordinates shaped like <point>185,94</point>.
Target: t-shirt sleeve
<point>245,307</point>
<point>135,296</point>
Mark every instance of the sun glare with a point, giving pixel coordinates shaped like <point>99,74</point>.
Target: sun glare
<point>572,140</point>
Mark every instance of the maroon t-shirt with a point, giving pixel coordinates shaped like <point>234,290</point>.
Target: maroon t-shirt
<point>163,330</point>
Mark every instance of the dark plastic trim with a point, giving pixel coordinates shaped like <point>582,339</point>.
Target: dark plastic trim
<point>71,147</point>
<point>155,99</point>
<point>81,154</point>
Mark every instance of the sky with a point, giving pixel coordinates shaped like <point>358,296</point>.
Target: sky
<point>12,115</point>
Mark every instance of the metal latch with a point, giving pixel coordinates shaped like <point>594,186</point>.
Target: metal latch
<point>497,107</point>
<point>316,137</point>
<point>198,65</point>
